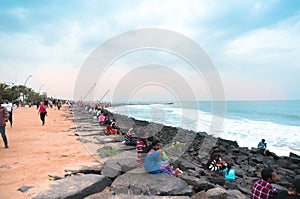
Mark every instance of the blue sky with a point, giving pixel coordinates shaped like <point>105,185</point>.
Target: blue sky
<point>253,44</point>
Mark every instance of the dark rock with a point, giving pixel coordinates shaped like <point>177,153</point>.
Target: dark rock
<point>199,195</point>
<point>293,166</point>
<point>197,183</point>
<point>220,180</point>
<point>130,196</point>
<point>25,188</point>
<point>202,134</point>
<point>153,184</point>
<point>75,187</point>
<point>216,193</point>
<point>293,155</point>
<point>185,165</point>
<point>111,169</point>
<point>235,194</point>
<point>86,170</point>
<point>283,163</point>
<point>230,185</point>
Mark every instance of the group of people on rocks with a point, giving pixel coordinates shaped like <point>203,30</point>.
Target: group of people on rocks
<point>149,153</point>
<point>152,158</point>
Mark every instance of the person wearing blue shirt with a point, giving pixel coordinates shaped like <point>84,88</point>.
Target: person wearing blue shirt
<point>229,172</point>
<point>262,144</point>
<point>154,164</point>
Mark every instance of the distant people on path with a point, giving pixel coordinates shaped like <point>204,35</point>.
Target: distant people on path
<point>37,105</point>
<point>262,189</point>
<point>9,106</point>
<point>46,102</point>
<point>131,137</point>
<point>154,164</point>
<point>3,119</point>
<point>215,163</point>
<point>59,104</point>
<point>42,112</point>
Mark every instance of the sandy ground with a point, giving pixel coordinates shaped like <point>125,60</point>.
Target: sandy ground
<point>36,151</point>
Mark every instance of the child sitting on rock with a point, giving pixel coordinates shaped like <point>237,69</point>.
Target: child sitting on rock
<point>141,145</point>
<point>229,172</point>
<point>131,137</point>
<point>215,163</point>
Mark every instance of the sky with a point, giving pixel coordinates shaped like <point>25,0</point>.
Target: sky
<point>254,46</point>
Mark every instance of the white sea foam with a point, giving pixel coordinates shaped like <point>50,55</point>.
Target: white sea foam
<point>280,139</point>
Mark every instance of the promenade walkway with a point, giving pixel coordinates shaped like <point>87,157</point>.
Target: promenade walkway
<point>36,151</point>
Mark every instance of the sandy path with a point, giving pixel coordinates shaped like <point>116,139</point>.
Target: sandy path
<point>36,151</point>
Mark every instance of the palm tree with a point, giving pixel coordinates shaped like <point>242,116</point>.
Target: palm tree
<point>3,90</point>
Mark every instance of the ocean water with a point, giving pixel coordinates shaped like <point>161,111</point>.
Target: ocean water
<point>246,122</point>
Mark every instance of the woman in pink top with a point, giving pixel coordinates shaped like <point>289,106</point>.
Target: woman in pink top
<point>101,119</point>
<point>42,112</point>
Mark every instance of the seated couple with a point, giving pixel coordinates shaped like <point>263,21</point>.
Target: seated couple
<point>154,164</point>
<point>113,128</point>
<point>216,164</point>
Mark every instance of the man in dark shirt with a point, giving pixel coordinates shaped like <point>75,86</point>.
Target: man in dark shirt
<point>3,119</point>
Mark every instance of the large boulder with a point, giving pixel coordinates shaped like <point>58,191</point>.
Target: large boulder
<point>121,163</point>
<point>139,182</point>
<point>75,187</point>
<point>129,196</point>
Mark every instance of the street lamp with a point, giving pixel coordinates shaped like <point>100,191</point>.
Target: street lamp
<point>24,94</point>
<point>41,87</point>
<point>27,79</point>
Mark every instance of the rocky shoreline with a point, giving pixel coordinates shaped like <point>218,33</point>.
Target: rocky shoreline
<point>188,150</point>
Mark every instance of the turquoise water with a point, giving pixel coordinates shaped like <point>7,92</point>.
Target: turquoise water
<point>244,121</point>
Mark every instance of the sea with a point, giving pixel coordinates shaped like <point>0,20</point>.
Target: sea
<point>247,122</point>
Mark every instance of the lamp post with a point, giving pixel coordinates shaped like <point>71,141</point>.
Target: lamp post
<point>24,94</point>
<point>41,88</point>
<point>27,79</point>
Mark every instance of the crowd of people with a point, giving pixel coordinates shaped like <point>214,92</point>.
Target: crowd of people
<point>6,113</point>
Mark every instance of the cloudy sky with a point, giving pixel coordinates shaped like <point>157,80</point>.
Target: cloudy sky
<point>254,45</point>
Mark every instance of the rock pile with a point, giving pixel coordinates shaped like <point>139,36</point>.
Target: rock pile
<point>187,150</point>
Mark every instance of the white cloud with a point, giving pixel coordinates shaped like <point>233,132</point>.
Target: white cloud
<point>278,44</point>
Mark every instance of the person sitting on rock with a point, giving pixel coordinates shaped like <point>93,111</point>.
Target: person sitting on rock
<point>215,163</point>
<point>101,119</point>
<point>131,137</point>
<point>154,164</point>
<point>262,189</point>
<point>262,144</point>
<point>141,145</point>
<point>293,194</point>
<point>114,127</point>
<point>109,127</point>
<point>229,172</point>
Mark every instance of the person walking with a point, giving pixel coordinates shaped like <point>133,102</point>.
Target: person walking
<point>42,112</point>
<point>3,119</point>
<point>9,108</point>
